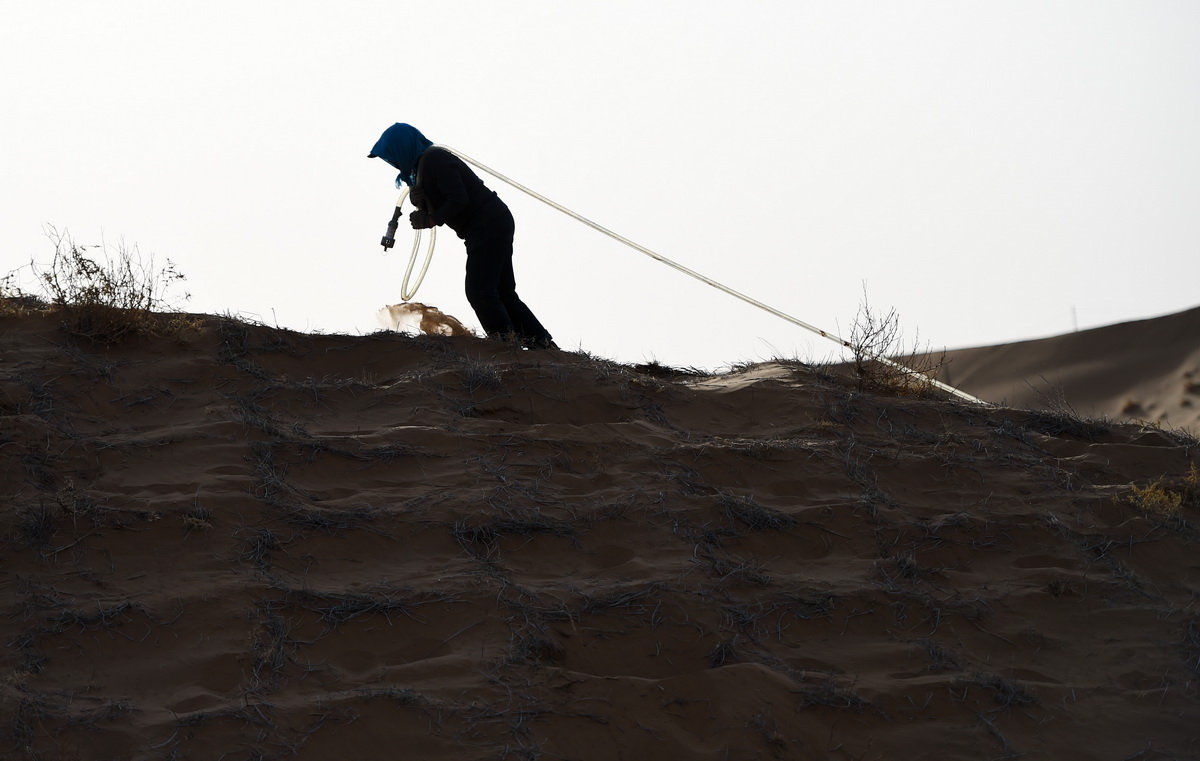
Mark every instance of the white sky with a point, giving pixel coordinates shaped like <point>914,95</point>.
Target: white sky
<point>987,169</point>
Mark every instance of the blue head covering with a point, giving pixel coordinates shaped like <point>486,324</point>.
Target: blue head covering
<point>401,145</point>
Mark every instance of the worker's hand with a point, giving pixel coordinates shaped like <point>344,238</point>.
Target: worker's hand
<point>420,220</point>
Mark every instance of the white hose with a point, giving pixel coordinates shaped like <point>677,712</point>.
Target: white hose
<point>406,294</point>
<point>719,286</point>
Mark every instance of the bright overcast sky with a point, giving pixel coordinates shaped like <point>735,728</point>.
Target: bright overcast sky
<point>994,171</point>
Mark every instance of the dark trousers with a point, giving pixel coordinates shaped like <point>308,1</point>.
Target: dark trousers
<point>491,283</point>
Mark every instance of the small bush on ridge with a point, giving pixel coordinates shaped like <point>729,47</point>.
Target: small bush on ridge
<point>105,298</point>
<point>880,361</point>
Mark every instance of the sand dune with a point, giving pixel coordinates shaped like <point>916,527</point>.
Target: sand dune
<point>259,544</point>
<point>1149,370</point>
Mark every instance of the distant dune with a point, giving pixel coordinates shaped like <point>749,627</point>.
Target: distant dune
<point>1149,370</point>
<point>251,543</point>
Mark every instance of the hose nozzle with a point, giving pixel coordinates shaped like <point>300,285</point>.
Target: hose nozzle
<point>389,238</point>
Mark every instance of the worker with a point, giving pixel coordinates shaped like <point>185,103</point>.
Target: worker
<point>446,192</point>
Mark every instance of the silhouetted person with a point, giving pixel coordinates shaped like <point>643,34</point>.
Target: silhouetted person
<point>446,192</point>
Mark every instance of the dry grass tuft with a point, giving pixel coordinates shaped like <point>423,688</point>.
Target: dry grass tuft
<point>480,375</point>
<point>1168,496</point>
<point>15,303</point>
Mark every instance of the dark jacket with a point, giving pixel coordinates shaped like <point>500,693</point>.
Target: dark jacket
<point>451,193</point>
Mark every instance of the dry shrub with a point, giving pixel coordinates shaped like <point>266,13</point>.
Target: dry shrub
<point>1168,497</point>
<point>881,363</point>
<point>104,296</point>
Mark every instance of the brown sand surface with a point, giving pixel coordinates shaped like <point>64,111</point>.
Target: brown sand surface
<point>260,544</point>
<point>1147,370</point>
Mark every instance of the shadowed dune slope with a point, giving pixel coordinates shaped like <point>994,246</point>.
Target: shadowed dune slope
<point>1148,370</point>
<point>259,544</point>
